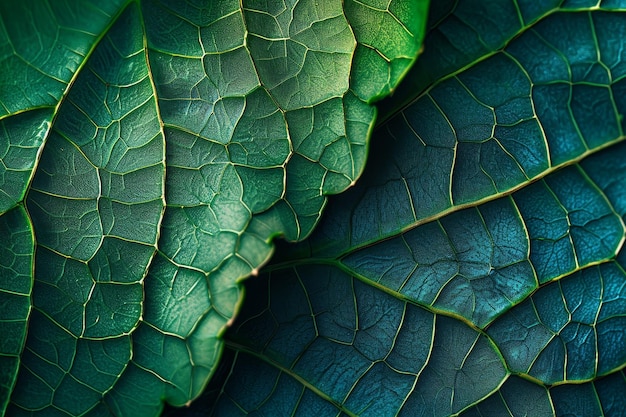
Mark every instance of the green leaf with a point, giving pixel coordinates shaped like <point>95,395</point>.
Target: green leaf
<point>150,152</point>
<point>477,268</point>
<point>16,282</point>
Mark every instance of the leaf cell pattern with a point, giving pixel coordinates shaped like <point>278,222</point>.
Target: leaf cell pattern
<point>97,176</point>
<point>33,77</point>
<point>486,236</point>
<point>16,252</point>
<point>150,151</point>
<point>374,356</point>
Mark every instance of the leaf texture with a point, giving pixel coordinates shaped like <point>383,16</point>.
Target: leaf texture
<point>150,153</point>
<point>477,268</point>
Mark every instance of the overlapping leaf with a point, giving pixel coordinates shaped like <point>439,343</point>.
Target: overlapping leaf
<point>478,266</point>
<point>150,152</point>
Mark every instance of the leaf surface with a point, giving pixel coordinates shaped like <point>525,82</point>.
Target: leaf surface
<point>477,268</point>
<point>150,153</point>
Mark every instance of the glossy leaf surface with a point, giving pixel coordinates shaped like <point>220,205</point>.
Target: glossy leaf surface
<point>150,151</point>
<point>477,268</point>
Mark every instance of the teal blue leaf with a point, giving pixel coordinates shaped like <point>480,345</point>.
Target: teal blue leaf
<point>602,397</point>
<point>383,351</point>
<point>465,263</point>
<point>516,397</point>
<point>570,223</point>
<point>149,153</point>
<point>477,267</point>
<point>573,323</point>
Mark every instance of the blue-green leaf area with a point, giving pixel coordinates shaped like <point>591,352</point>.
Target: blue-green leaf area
<point>493,202</point>
<point>569,330</point>
<point>516,397</point>
<point>602,397</point>
<point>473,262</point>
<point>461,33</point>
<point>361,351</point>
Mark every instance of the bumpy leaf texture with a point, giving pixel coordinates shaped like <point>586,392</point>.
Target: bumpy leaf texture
<point>477,268</point>
<point>149,153</point>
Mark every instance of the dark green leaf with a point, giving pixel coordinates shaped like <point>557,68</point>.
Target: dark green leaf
<point>16,282</point>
